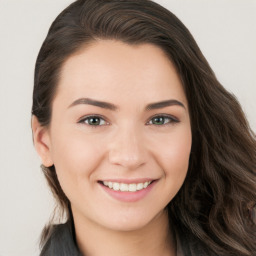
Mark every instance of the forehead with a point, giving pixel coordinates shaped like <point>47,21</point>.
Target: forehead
<point>107,69</point>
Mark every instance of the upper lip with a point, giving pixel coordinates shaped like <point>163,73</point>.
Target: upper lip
<point>129,181</point>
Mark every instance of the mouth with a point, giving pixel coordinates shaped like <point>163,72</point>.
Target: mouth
<point>126,187</point>
<point>128,190</point>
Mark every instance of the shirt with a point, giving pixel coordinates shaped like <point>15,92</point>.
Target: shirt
<point>62,242</point>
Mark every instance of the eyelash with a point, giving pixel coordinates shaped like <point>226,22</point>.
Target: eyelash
<point>172,120</point>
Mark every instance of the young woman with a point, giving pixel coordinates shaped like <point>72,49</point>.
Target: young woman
<point>144,150</point>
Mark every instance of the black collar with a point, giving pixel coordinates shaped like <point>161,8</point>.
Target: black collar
<point>61,242</point>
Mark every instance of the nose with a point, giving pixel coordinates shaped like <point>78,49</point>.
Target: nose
<point>128,150</point>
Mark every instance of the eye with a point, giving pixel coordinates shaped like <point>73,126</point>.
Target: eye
<point>93,121</point>
<point>159,120</point>
<point>163,120</point>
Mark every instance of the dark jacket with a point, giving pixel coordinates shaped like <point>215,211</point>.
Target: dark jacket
<point>62,243</point>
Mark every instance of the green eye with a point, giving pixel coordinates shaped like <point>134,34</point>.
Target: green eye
<point>163,120</point>
<point>93,121</point>
<point>159,120</point>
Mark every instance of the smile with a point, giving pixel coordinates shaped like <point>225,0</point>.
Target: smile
<point>128,191</point>
<point>124,187</point>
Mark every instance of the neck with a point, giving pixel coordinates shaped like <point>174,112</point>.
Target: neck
<point>153,239</point>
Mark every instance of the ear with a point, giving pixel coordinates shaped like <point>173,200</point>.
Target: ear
<point>42,142</point>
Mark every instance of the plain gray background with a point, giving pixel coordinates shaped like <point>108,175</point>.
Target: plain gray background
<point>225,31</point>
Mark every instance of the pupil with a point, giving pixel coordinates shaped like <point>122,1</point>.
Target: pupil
<point>159,120</point>
<point>94,121</point>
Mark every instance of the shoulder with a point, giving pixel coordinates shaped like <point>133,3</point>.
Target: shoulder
<point>61,242</point>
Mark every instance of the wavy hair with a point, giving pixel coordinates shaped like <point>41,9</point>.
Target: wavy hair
<point>213,208</point>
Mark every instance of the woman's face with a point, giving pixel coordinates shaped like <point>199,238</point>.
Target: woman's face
<point>120,117</point>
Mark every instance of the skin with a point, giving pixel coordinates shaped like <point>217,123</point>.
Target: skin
<point>127,143</point>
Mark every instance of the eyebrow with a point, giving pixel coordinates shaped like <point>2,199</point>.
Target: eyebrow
<point>110,106</point>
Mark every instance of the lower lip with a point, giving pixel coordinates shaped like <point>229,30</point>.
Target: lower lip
<point>128,196</point>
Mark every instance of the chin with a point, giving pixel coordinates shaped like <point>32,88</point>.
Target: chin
<point>127,226</point>
<point>126,222</point>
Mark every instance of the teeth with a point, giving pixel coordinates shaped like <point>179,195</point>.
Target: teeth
<point>145,184</point>
<point>126,187</point>
<point>116,186</point>
<point>140,186</point>
<point>132,187</point>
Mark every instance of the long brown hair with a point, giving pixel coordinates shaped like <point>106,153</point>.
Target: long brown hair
<point>213,206</point>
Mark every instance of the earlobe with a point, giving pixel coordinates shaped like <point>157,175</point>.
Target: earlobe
<point>41,138</point>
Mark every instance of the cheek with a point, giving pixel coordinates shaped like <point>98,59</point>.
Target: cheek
<point>175,156</point>
<point>75,156</point>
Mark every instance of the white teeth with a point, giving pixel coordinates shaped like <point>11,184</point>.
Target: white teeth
<point>140,186</point>
<point>116,186</point>
<point>132,187</point>
<point>126,187</point>
<point>146,184</point>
